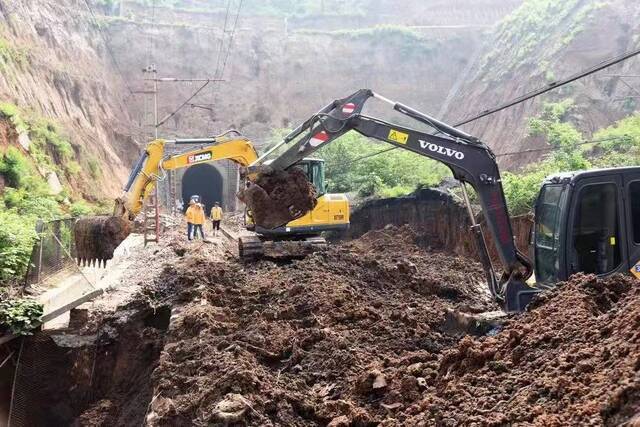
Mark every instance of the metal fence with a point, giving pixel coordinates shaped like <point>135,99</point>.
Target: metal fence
<point>54,254</point>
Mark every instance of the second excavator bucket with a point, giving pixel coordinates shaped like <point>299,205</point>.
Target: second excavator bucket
<point>97,237</point>
<point>276,197</point>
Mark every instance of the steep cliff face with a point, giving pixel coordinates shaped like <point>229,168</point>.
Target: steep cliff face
<point>281,70</point>
<point>539,43</point>
<point>55,66</point>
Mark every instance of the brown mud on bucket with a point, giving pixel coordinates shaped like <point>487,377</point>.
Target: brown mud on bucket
<point>97,237</point>
<point>278,197</point>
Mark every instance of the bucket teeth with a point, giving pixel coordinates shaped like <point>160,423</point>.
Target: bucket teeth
<point>97,237</point>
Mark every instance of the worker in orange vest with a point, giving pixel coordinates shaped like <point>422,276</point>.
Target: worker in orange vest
<point>189,216</point>
<point>198,220</point>
<point>216,217</point>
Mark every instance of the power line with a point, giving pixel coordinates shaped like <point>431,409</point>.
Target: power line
<point>108,46</point>
<point>533,150</point>
<point>529,95</point>
<point>174,112</point>
<point>554,85</point>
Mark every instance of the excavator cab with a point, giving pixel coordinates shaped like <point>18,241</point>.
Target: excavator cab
<point>587,222</point>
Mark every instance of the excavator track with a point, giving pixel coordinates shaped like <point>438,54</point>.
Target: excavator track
<point>254,247</point>
<point>250,247</point>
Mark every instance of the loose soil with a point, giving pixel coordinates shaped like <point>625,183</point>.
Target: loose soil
<point>354,336</point>
<point>573,359</point>
<point>277,197</point>
<point>337,336</point>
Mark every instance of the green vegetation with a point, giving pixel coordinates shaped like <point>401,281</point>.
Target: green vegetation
<point>27,197</point>
<point>408,40</point>
<point>10,53</point>
<point>537,22</point>
<point>50,150</point>
<point>16,242</point>
<point>393,173</point>
<point>614,146</point>
<point>21,316</point>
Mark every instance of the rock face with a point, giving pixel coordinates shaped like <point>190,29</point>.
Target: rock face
<point>282,70</point>
<point>55,65</point>
<point>537,45</point>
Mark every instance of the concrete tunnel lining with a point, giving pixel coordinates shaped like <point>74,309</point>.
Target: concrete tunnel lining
<point>206,181</point>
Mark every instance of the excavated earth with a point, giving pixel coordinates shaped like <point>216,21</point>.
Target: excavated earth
<point>354,336</point>
<point>279,196</point>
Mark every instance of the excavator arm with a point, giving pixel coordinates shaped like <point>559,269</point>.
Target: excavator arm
<point>97,237</point>
<point>470,161</point>
<point>153,163</point>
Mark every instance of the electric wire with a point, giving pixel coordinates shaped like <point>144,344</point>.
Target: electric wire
<point>529,95</point>
<point>232,34</point>
<point>343,166</point>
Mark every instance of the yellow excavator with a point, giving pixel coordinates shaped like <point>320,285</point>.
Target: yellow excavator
<point>295,230</point>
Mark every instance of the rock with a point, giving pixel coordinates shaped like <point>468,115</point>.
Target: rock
<point>391,406</point>
<point>231,409</point>
<point>54,183</point>
<point>415,369</point>
<point>379,381</point>
<point>24,141</point>
<point>341,421</point>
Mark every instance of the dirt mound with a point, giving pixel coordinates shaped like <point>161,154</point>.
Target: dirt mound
<point>278,197</point>
<point>350,335</point>
<point>572,360</point>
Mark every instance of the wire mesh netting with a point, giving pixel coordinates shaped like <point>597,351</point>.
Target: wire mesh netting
<point>54,253</point>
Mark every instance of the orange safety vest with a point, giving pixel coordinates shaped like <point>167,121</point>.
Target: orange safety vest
<point>198,215</point>
<point>189,214</point>
<point>216,213</point>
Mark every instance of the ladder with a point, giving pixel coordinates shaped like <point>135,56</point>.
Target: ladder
<point>173,196</point>
<point>151,218</point>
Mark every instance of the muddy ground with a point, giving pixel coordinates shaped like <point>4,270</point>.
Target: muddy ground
<point>353,336</point>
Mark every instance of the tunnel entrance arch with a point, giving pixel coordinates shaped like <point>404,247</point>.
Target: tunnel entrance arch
<point>205,181</point>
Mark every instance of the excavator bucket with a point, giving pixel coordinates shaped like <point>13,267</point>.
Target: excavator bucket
<point>96,238</point>
<point>276,197</point>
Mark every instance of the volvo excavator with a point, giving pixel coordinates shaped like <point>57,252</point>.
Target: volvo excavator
<point>585,221</point>
<point>294,231</point>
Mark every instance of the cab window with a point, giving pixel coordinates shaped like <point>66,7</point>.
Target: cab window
<point>634,200</point>
<point>596,240</point>
<point>547,232</point>
<point>318,177</point>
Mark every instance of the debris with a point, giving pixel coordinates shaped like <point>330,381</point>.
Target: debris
<point>231,409</point>
<point>276,197</point>
<point>293,337</point>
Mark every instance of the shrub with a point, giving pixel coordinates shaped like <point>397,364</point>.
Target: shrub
<point>21,315</point>
<point>94,168</point>
<point>80,208</point>
<point>17,237</point>
<point>15,168</point>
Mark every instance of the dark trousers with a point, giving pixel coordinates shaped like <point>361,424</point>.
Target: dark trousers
<point>216,224</point>
<point>189,230</point>
<point>197,227</point>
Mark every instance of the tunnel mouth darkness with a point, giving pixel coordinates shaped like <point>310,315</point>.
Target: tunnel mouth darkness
<point>205,181</point>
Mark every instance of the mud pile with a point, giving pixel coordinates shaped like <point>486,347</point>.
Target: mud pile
<point>347,335</point>
<point>278,197</point>
<point>574,359</point>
